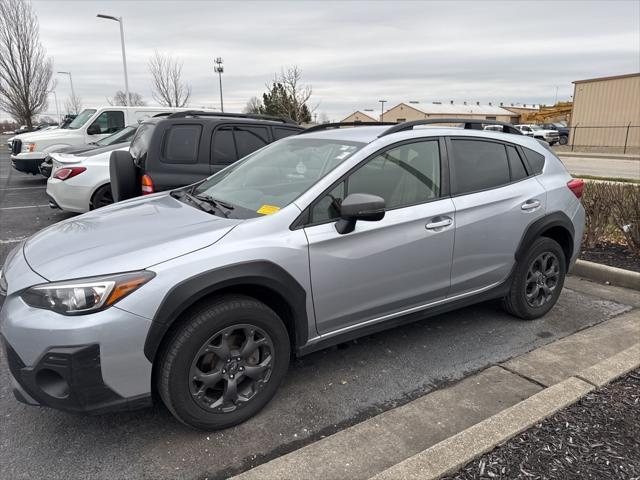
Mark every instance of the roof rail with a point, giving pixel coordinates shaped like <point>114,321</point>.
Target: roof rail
<point>254,116</point>
<point>328,126</point>
<point>163,114</point>
<point>468,125</point>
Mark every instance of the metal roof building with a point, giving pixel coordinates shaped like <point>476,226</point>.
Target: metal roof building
<point>404,112</point>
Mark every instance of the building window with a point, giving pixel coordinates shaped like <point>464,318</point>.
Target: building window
<point>400,120</point>
<point>491,118</point>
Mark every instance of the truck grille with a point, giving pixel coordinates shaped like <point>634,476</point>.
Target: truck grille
<point>16,147</point>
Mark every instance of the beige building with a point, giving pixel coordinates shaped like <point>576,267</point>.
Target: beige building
<point>611,102</point>
<point>405,112</point>
<point>359,116</point>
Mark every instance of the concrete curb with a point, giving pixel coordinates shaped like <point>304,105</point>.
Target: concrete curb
<point>453,453</point>
<point>604,273</point>
<point>609,156</point>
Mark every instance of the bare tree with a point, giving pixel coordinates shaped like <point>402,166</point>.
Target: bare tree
<point>168,87</point>
<point>73,105</point>
<point>296,108</point>
<point>253,105</point>
<point>25,70</point>
<point>120,98</point>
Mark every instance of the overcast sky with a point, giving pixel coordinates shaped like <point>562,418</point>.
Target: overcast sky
<point>352,53</point>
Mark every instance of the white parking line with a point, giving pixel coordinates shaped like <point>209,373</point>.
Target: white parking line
<point>18,188</point>
<point>12,240</point>
<point>26,206</point>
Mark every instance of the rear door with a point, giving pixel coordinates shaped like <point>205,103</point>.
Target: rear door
<point>495,199</point>
<point>177,163</point>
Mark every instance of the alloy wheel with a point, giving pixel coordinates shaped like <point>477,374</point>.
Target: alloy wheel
<point>542,279</point>
<point>231,368</point>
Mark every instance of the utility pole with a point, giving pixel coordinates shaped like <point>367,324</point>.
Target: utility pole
<point>219,69</point>
<point>73,93</point>
<point>124,56</point>
<point>382,102</point>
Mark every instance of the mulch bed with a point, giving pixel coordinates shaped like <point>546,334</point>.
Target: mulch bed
<point>596,438</point>
<point>612,254</point>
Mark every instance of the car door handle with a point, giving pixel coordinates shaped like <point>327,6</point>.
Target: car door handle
<point>530,205</point>
<point>440,222</point>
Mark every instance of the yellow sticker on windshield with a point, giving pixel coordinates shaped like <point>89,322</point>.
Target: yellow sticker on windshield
<point>267,209</point>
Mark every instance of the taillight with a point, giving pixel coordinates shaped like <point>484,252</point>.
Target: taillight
<point>576,186</point>
<point>147,185</point>
<point>68,172</point>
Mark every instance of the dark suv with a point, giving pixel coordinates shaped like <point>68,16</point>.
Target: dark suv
<point>185,147</point>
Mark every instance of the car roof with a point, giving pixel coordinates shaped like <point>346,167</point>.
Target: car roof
<point>226,119</point>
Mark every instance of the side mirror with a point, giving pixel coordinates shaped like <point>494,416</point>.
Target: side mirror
<point>94,129</point>
<point>359,206</point>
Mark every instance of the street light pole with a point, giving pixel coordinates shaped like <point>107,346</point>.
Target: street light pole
<point>124,55</point>
<point>56,100</point>
<point>382,102</point>
<point>73,93</point>
<point>219,68</point>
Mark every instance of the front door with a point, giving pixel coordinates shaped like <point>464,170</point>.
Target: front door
<point>385,268</point>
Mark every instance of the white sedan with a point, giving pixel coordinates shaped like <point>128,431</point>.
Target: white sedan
<point>79,183</point>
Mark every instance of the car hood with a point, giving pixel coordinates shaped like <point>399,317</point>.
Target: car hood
<point>130,235</point>
<point>34,137</point>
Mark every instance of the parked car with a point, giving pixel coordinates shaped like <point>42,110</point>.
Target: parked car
<point>563,131</point>
<point>92,124</point>
<point>186,147</point>
<point>550,136</point>
<point>202,293</point>
<point>123,136</point>
<point>79,183</point>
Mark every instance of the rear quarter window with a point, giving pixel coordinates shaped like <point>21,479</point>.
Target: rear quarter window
<point>535,160</point>
<point>181,144</point>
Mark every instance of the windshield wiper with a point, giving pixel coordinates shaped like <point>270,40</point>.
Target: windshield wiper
<point>202,205</point>
<point>215,203</point>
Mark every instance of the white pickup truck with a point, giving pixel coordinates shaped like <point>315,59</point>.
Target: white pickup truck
<point>29,150</point>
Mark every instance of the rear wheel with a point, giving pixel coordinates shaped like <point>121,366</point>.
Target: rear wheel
<point>538,280</point>
<point>102,197</point>
<point>224,364</point>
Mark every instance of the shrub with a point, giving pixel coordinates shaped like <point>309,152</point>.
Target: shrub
<point>625,213</point>
<point>597,207</point>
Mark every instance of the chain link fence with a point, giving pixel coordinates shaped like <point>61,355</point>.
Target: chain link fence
<point>603,139</point>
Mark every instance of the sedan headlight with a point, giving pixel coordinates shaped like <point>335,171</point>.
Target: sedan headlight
<point>87,295</point>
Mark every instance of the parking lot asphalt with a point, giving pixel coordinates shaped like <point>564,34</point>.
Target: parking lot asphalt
<point>323,392</point>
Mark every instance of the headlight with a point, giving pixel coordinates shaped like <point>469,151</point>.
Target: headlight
<point>76,297</point>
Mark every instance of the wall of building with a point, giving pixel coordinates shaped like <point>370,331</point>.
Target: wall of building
<point>360,117</point>
<point>406,113</point>
<point>603,109</point>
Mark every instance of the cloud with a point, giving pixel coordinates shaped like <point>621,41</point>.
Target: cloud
<point>353,53</point>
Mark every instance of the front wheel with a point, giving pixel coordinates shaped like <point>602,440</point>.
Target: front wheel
<point>538,280</point>
<point>224,364</point>
<point>564,140</point>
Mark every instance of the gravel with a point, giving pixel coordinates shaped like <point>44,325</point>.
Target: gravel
<point>597,438</point>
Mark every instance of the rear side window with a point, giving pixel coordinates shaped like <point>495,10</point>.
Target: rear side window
<point>279,133</point>
<point>516,166</point>
<point>181,144</point>
<point>478,165</point>
<point>223,147</point>
<point>250,139</point>
<point>536,161</point>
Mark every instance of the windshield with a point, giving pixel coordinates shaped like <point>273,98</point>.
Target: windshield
<point>123,135</point>
<point>276,175</point>
<point>81,119</point>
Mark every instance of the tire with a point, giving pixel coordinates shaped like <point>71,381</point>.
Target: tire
<point>124,177</point>
<point>101,197</point>
<point>536,287</point>
<point>195,352</point>
<point>564,139</point>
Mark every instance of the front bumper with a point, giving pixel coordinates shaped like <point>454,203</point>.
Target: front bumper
<point>68,379</point>
<point>88,363</point>
<point>26,165</point>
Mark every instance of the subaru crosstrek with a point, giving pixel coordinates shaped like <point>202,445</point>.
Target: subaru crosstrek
<point>201,294</point>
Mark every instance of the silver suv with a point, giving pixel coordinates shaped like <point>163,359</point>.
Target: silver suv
<point>203,293</point>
